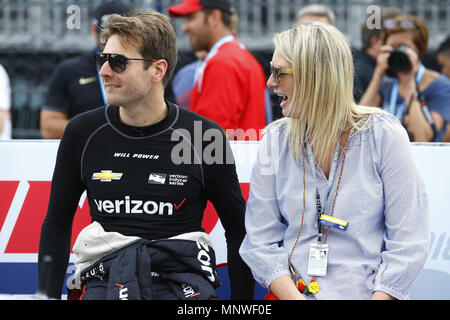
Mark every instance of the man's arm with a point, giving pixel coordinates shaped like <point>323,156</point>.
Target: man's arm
<point>53,124</point>
<point>56,231</point>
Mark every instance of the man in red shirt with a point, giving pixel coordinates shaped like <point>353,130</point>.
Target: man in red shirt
<point>230,83</point>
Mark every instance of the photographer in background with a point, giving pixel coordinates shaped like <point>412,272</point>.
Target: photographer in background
<point>443,57</point>
<point>366,58</point>
<point>418,97</point>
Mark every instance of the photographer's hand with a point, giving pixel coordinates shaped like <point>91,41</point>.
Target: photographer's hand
<point>382,61</point>
<point>415,120</point>
<point>407,79</point>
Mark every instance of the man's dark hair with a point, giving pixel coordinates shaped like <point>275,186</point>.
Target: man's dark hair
<point>226,16</point>
<point>150,33</point>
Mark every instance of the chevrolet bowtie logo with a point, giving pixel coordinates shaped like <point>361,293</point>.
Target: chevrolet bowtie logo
<point>106,176</point>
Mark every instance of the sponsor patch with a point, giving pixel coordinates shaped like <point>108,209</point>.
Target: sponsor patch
<point>157,178</point>
<point>177,179</point>
<point>106,176</point>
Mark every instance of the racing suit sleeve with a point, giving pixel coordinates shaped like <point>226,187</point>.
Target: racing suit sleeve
<point>223,190</point>
<point>56,231</point>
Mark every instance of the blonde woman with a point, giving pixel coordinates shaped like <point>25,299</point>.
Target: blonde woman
<point>337,208</point>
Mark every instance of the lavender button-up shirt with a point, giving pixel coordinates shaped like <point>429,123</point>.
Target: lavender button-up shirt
<point>381,195</point>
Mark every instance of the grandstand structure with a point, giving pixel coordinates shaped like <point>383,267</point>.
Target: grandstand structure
<point>37,34</point>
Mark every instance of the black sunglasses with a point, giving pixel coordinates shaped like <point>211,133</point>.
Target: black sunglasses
<point>277,72</point>
<point>117,62</point>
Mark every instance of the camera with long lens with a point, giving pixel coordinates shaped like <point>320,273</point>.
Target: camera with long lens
<point>398,61</point>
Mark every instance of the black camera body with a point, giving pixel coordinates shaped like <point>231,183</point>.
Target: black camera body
<point>398,61</point>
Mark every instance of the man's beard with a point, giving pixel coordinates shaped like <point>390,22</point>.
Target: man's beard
<point>200,43</point>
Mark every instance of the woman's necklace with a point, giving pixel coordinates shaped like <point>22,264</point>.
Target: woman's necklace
<point>313,287</point>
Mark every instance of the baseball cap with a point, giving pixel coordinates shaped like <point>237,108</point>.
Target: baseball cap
<point>190,6</point>
<point>107,8</point>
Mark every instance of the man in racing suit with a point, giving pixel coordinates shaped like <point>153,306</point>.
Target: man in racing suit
<point>148,167</point>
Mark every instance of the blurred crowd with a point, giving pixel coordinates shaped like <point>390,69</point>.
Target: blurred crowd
<point>389,73</point>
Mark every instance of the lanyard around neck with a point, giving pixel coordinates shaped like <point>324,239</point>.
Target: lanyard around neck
<point>319,210</point>
<point>333,163</point>
<point>304,193</point>
<point>400,110</point>
<point>199,71</point>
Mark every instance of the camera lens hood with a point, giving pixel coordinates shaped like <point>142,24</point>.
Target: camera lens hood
<point>398,61</point>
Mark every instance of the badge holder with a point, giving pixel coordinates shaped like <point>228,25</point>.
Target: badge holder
<point>318,252</point>
<point>318,259</point>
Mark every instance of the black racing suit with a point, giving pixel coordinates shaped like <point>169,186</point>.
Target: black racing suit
<point>152,182</point>
<point>170,269</point>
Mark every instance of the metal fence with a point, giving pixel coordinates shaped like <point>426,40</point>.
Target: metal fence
<point>39,24</point>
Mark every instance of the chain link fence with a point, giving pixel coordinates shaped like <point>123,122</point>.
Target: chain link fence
<point>35,35</point>
<point>46,24</point>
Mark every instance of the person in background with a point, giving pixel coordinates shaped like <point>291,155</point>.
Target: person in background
<point>417,96</point>
<point>334,192</point>
<point>230,83</point>
<point>5,105</point>
<point>316,12</point>
<point>366,59</point>
<point>75,85</point>
<point>184,80</point>
<point>443,57</point>
<point>151,243</point>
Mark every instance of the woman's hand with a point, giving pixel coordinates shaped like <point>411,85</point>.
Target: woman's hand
<point>284,288</point>
<point>379,295</point>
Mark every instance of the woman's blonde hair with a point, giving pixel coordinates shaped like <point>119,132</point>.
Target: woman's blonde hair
<point>322,104</point>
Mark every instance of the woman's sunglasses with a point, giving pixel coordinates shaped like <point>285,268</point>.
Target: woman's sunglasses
<point>117,62</point>
<point>278,72</point>
<point>405,24</point>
